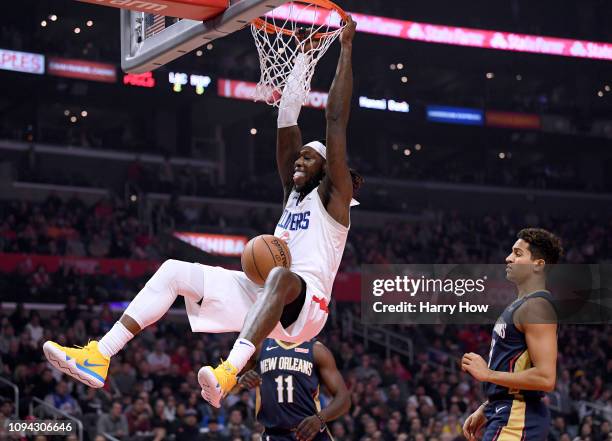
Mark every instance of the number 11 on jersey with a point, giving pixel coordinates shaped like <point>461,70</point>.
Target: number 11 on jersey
<point>280,389</point>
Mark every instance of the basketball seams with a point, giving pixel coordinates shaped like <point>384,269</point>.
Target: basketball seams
<point>269,249</point>
<point>255,261</point>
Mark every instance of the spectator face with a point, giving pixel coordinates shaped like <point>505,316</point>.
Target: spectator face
<point>47,376</point>
<point>116,410</point>
<point>6,409</point>
<point>393,426</point>
<point>370,427</point>
<point>236,417</point>
<point>139,406</point>
<point>338,430</point>
<point>61,388</point>
<point>394,392</point>
<point>365,361</point>
<point>585,431</point>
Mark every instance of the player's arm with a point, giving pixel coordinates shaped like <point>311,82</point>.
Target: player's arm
<point>537,319</point>
<point>289,136</point>
<point>333,381</point>
<point>339,185</point>
<point>288,144</point>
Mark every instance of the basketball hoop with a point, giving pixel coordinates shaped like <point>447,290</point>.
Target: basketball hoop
<point>302,27</point>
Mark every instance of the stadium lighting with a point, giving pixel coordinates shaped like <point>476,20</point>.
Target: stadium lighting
<point>43,23</point>
<point>77,30</point>
<point>600,94</point>
<point>392,66</point>
<point>501,155</point>
<point>519,77</point>
<point>89,23</point>
<point>407,152</point>
<point>253,131</point>
<point>66,112</point>
<point>84,113</point>
<point>199,53</point>
<point>404,79</point>
<point>133,198</point>
<point>395,146</point>
<point>209,46</point>
<point>400,66</point>
<point>53,17</point>
<point>490,75</point>
<point>418,147</point>
<point>73,119</point>
<point>607,88</point>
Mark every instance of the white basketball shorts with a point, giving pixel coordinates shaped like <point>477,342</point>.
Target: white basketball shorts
<point>228,295</point>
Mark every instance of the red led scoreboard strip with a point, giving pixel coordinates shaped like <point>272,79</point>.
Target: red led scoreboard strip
<point>430,33</point>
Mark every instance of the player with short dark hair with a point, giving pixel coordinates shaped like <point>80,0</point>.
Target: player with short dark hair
<point>288,378</point>
<point>523,356</point>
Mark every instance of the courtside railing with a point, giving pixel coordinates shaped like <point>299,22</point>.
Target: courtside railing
<point>52,410</point>
<point>15,395</point>
<point>392,342</point>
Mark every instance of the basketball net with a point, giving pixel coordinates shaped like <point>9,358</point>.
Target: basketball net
<point>284,34</point>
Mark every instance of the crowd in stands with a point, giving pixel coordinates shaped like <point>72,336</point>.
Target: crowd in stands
<point>152,391</point>
<point>108,228</point>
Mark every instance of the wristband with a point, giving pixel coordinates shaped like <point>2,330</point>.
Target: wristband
<point>323,424</point>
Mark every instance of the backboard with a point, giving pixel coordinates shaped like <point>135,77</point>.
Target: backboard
<point>150,40</point>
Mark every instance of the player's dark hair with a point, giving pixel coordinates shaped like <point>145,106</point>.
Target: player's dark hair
<point>356,178</point>
<point>542,244</point>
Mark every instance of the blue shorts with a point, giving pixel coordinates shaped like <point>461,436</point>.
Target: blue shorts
<point>516,420</point>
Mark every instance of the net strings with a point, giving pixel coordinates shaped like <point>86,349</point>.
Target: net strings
<point>278,51</point>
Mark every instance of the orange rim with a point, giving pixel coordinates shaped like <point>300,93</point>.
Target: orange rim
<point>326,4</point>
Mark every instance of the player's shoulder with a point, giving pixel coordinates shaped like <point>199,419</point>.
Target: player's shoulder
<point>537,309</point>
<point>321,352</point>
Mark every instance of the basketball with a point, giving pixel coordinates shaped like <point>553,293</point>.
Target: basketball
<point>261,254</point>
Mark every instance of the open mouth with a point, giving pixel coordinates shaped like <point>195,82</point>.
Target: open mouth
<point>298,175</point>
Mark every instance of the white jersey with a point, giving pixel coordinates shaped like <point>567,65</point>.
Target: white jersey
<point>316,241</point>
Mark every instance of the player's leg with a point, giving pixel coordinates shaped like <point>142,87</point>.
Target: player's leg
<point>90,363</point>
<point>282,289</point>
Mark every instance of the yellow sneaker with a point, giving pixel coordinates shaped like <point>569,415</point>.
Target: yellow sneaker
<point>86,364</point>
<point>217,383</point>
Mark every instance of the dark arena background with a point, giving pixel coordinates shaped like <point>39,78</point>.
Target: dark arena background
<point>466,128</point>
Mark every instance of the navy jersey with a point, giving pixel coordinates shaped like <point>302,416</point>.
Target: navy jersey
<point>509,351</point>
<point>289,391</point>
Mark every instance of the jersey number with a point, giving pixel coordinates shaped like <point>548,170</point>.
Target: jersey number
<point>280,390</point>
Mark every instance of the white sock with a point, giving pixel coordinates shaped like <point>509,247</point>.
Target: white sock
<point>114,340</point>
<point>241,352</point>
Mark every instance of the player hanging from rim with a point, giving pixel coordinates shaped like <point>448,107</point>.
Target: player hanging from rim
<point>523,357</point>
<point>288,377</point>
<point>292,305</point>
